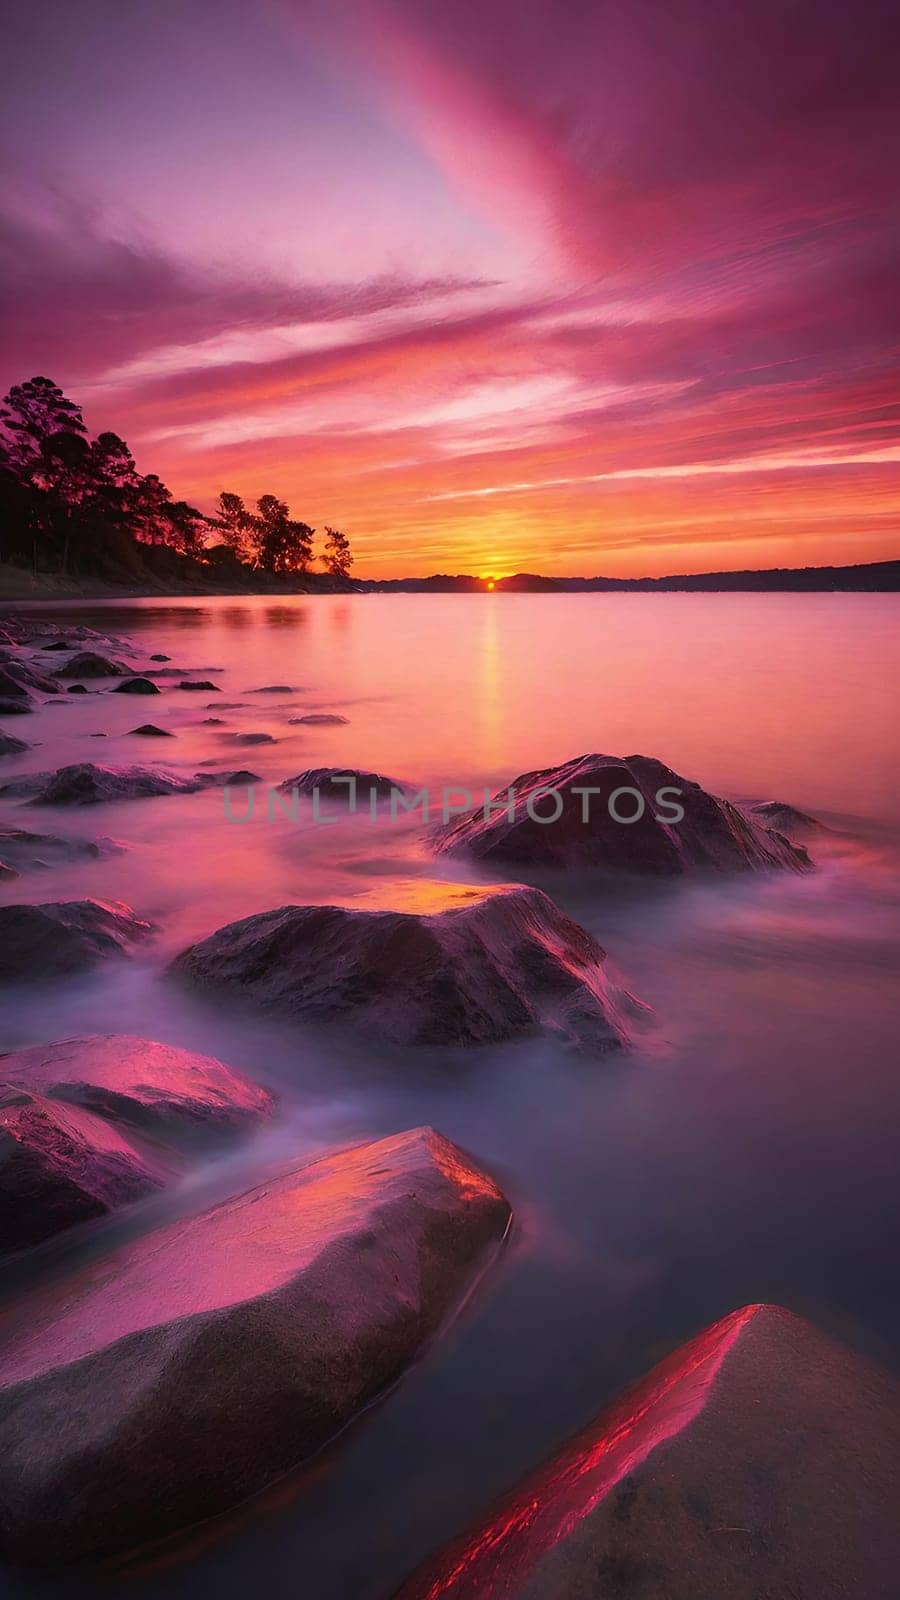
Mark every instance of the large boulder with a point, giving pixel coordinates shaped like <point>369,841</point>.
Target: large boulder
<point>761,1459</point>
<point>62,937</point>
<point>619,813</point>
<point>191,1368</point>
<point>489,965</point>
<point>88,664</point>
<point>155,1087</point>
<point>60,1165</point>
<point>85,783</point>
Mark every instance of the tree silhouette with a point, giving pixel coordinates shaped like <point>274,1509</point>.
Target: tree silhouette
<point>337,557</point>
<point>284,545</point>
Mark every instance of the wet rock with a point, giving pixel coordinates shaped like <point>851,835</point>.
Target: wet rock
<point>33,850</point>
<point>61,937</point>
<point>59,1166</point>
<point>85,784</point>
<point>490,965</point>
<point>209,1358</point>
<point>222,780</point>
<point>19,673</point>
<point>149,730</point>
<point>88,664</point>
<point>76,688</point>
<point>11,687</point>
<point>345,785</point>
<point>317,719</point>
<point>153,1087</point>
<point>57,644</point>
<point>136,686</point>
<point>213,722</point>
<point>712,835</point>
<point>274,688</point>
<point>10,707</point>
<point>10,746</point>
<point>203,684</point>
<point>160,657</point>
<point>762,1458</point>
<point>247,738</point>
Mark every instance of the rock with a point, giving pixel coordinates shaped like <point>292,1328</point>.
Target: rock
<point>222,780</point>
<point>12,747</point>
<point>202,684</point>
<point>247,738</point>
<point>788,820</point>
<point>195,1366</point>
<point>57,644</point>
<point>76,688</point>
<point>343,784</point>
<point>150,1086</point>
<point>317,719</point>
<point>136,686</point>
<point>7,873</point>
<point>149,730</point>
<point>713,834</point>
<point>86,784</point>
<point>59,1166</point>
<point>274,688</point>
<point>10,707</point>
<point>213,722</point>
<point>52,940</point>
<point>160,657</point>
<point>87,664</point>
<point>29,850</point>
<point>761,1459</point>
<point>11,687</point>
<point>493,964</point>
<point>19,672</point>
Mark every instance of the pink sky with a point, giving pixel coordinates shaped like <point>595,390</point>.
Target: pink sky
<point>574,288</point>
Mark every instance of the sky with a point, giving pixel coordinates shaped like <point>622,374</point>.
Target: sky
<point>575,288</point>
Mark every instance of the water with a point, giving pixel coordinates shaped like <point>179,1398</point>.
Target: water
<point>745,1151</point>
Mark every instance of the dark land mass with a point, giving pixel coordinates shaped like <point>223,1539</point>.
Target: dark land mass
<point>167,573</point>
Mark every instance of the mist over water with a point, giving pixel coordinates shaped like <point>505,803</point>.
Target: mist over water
<point>745,1150</point>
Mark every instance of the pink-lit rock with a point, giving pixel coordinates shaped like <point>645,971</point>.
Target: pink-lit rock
<point>139,1081</point>
<point>190,1368</point>
<point>61,937</point>
<point>713,835</point>
<point>467,966</point>
<point>60,1165</point>
<point>84,783</point>
<point>761,1459</point>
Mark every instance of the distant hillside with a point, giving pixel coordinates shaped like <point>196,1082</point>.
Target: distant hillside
<point>875,577</point>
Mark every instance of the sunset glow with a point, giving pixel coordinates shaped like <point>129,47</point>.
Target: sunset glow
<point>595,289</point>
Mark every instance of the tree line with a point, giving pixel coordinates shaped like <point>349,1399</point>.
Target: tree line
<point>75,505</point>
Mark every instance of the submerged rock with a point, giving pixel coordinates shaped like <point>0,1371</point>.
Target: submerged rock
<point>761,1459</point>
<point>153,1086</point>
<point>149,730</point>
<point>203,683</point>
<point>246,738</point>
<point>85,784</point>
<point>10,746</point>
<point>76,688</point>
<point>32,850</point>
<point>343,784</point>
<point>60,1165</point>
<point>493,965</point>
<point>88,664</point>
<point>160,657</point>
<point>788,820</point>
<point>197,1365</point>
<point>274,688</point>
<point>627,822</point>
<point>318,719</point>
<point>60,937</point>
<point>136,686</point>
